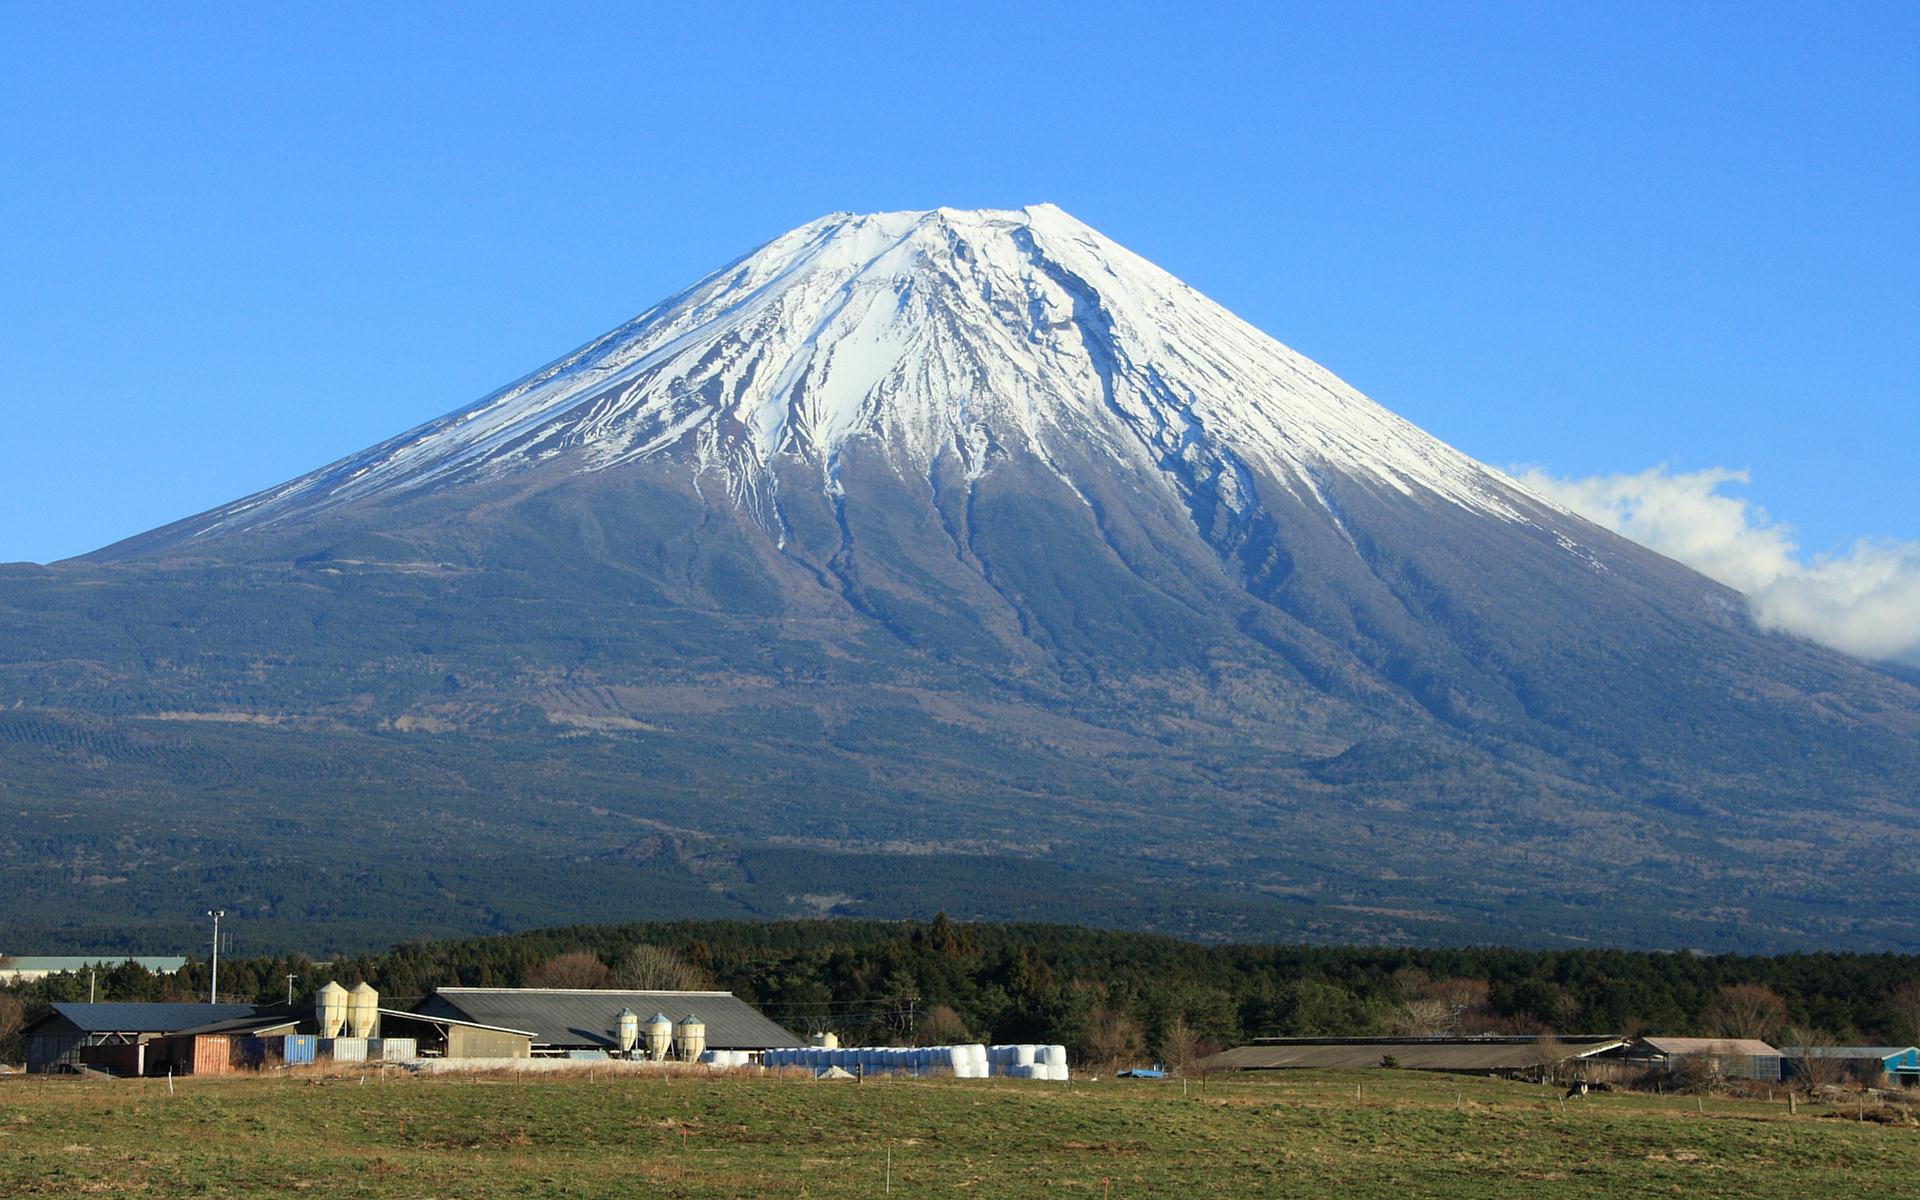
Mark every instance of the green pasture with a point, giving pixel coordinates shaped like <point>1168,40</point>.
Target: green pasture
<point>1381,1133</point>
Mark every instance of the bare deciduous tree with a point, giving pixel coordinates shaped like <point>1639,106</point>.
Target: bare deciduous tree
<point>650,968</point>
<point>1905,1002</point>
<point>1420,1017</point>
<point>940,1025</point>
<point>576,970</point>
<point>1465,1001</point>
<point>1410,983</point>
<point>1747,1010</point>
<point>1705,1071</point>
<point>1812,1069</point>
<point>1179,1045</point>
<point>12,1017</point>
<point>1550,1057</point>
<point>1113,1036</point>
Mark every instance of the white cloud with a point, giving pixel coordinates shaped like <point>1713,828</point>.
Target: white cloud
<point>1865,602</point>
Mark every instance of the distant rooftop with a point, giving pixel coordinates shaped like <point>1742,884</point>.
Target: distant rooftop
<point>1845,1051</point>
<point>148,1018</point>
<point>51,963</point>
<point>1678,1046</point>
<point>588,1017</point>
<point>1472,1055</point>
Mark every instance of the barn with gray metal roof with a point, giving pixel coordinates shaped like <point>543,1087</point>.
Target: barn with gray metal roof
<point>563,1019</point>
<point>55,1040</point>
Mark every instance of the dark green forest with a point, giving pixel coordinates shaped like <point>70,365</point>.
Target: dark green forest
<point>1105,994</point>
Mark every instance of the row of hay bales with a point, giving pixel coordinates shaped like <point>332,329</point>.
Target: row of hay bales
<point>724,1059</point>
<point>1026,1060</point>
<point>964,1061</point>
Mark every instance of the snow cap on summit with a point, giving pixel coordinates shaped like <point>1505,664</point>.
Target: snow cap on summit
<point>933,335</point>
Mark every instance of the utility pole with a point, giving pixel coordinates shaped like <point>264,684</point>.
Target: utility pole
<point>90,985</point>
<point>213,989</point>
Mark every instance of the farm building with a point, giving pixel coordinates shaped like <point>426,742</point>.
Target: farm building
<point>55,1041</point>
<point>21,968</point>
<point>572,1020</point>
<point>343,1026</point>
<point>188,1054</point>
<point>443,1036</point>
<point>1461,1055</point>
<point>1737,1058</point>
<point>1864,1064</point>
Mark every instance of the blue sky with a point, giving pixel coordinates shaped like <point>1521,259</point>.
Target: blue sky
<point>238,243</point>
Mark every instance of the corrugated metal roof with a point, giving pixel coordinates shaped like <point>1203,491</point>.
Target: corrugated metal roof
<point>1414,1054</point>
<point>445,1019</point>
<point>562,1017</point>
<point>1681,1046</point>
<point>148,1018</point>
<point>1845,1051</point>
<point>248,1024</point>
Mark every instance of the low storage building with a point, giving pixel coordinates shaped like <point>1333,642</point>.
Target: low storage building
<point>267,1038</point>
<point>1870,1065</point>
<point>1733,1058</point>
<point>55,1042</point>
<point>443,1036</point>
<point>561,1021</point>
<point>191,1054</point>
<point>1459,1055</point>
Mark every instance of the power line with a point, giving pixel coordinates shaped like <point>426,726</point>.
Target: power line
<point>900,1004</point>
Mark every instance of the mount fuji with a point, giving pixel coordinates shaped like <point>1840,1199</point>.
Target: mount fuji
<point>945,559</point>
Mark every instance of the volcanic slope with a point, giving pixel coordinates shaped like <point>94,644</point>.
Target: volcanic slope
<point>955,559</point>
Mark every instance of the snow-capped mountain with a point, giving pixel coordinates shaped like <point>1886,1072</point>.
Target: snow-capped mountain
<point>950,559</point>
<point>932,335</point>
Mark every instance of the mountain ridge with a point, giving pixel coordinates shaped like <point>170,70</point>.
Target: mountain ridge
<point>956,538</point>
<point>735,371</point>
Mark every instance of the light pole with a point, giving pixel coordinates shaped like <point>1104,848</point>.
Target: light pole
<point>213,989</point>
<point>290,980</point>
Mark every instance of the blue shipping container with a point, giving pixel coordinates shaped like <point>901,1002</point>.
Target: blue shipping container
<point>291,1049</point>
<point>250,1052</point>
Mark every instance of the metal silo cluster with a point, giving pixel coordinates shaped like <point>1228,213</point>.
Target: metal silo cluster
<point>349,1021</point>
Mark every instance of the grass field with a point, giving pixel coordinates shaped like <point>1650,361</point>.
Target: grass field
<point>1403,1134</point>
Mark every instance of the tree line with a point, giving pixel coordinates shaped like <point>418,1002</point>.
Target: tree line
<point>1107,995</point>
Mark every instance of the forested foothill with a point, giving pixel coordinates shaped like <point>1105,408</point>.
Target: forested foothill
<point>1107,995</point>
